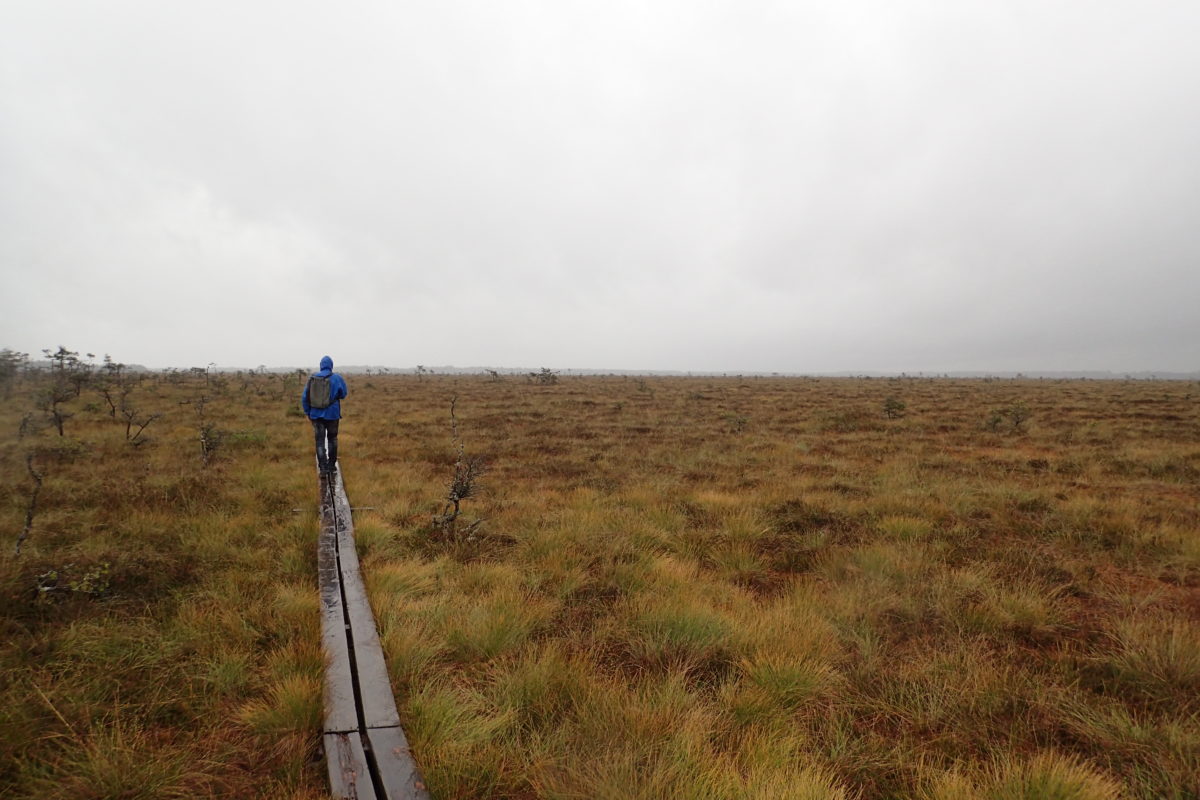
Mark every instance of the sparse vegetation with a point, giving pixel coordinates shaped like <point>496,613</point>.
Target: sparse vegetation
<point>828,604</point>
<point>1016,415</point>
<point>160,625</point>
<point>31,507</point>
<point>543,377</point>
<point>464,483</point>
<point>11,365</point>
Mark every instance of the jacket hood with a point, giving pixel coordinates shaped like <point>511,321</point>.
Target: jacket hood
<point>326,363</point>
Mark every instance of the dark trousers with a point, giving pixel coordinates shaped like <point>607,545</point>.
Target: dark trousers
<point>326,429</point>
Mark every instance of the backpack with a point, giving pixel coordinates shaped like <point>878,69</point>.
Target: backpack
<point>320,395</point>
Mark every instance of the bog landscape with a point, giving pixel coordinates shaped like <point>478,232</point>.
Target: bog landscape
<point>683,587</point>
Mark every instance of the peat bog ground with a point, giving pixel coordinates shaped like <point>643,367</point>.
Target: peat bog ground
<point>680,587</point>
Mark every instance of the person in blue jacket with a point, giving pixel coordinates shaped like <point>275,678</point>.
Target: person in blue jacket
<point>324,409</point>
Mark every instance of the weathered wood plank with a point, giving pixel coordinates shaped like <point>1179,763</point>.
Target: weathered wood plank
<point>374,685</point>
<point>397,771</point>
<point>349,777</point>
<point>340,712</point>
<point>371,761</point>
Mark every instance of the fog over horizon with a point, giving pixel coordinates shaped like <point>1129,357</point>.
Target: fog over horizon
<point>708,186</point>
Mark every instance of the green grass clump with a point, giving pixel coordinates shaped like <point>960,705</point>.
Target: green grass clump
<point>110,761</point>
<point>1159,659</point>
<point>493,627</point>
<point>666,638</point>
<point>1048,776</point>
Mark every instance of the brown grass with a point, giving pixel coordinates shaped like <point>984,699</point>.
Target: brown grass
<point>702,587</point>
<point>160,627</point>
<point>675,571</point>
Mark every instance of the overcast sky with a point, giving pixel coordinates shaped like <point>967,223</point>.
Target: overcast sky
<point>662,184</point>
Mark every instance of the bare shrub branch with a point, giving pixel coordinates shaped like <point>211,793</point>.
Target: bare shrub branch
<point>463,484</point>
<point>30,509</point>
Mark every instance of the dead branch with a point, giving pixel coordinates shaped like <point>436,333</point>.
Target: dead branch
<point>31,509</point>
<point>463,484</point>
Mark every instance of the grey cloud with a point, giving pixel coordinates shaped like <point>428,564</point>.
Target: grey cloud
<point>719,185</point>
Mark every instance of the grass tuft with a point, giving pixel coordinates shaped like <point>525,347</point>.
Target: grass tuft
<point>111,762</point>
<point>497,625</point>
<point>1159,659</point>
<point>293,705</point>
<point>666,638</point>
<point>1050,776</point>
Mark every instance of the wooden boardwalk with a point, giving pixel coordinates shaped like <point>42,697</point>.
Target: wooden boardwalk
<point>365,749</point>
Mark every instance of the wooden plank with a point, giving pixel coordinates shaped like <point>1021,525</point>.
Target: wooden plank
<point>374,685</point>
<point>349,777</point>
<point>340,712</point>
<point>397,771</point>
<point>389,772</point>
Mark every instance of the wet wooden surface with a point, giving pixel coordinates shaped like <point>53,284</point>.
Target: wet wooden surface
<point>349,776</point>
<point>378,704</point>
<point>366,751</point>
<point>341,714</point>
<point>397,770</point>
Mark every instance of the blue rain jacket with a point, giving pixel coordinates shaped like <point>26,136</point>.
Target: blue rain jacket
<point>337,390</point>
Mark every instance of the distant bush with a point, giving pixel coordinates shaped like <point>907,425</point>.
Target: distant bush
<point>1015,415</point>
<point>737,422</point>
<point>544,377</point>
